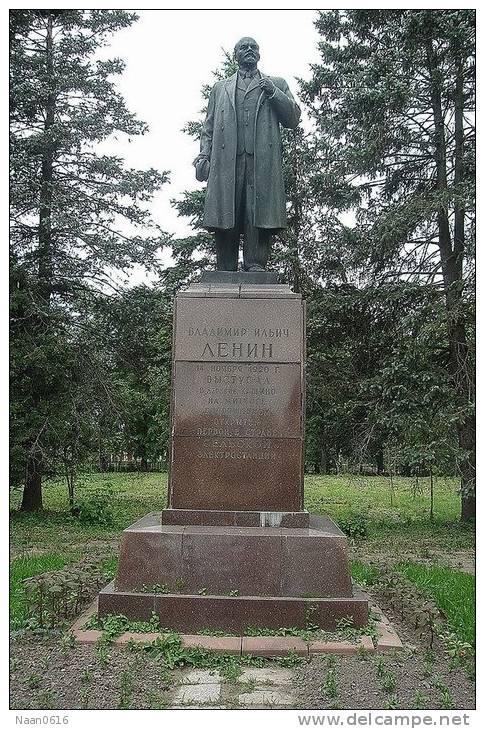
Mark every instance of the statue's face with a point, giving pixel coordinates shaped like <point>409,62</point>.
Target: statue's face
<point>246,52</point>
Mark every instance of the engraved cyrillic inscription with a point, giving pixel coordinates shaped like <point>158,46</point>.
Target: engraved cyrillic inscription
<point>210,330</point>
<point>237,400</point>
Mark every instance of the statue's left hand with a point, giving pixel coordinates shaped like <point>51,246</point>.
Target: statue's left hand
<point>267,86</point>
<point>202,167</point>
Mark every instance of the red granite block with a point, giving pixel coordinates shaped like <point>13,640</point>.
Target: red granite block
<point>87,636</point>
<point>151,556</point>
<point>221,559</point>
<point>314,565</point>
<point>274,646</point>
<point>218,644</point>
<point>340,648</point>
<point>133,605</point>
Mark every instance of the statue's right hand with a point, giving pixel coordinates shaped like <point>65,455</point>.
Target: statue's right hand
<point>202,167</point>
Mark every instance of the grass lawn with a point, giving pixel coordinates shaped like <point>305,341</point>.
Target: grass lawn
<point>452,591</point>
<point>396,522</point>
<point>28,566</point>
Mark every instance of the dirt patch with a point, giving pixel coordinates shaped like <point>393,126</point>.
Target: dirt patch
<point>463,560</point>
<point>415,678</point>
<point>47,675</point>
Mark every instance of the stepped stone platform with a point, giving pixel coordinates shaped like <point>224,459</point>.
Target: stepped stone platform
<point>232,577</point>
<point>234,548</point>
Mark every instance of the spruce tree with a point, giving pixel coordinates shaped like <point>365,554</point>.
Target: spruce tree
<point>392,100</point>
<point>79,217</point>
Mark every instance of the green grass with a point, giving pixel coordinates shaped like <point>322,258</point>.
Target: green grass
<point>404,525</point>
<point>364,574</point>
<point>24,567</point>
<point>135,495</point>
<point>371,495</point>
<point>452,591</point>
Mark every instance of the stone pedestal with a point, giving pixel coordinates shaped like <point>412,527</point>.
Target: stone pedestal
<point>235,549</point>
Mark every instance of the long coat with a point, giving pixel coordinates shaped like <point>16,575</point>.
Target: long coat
<point>218,142</point>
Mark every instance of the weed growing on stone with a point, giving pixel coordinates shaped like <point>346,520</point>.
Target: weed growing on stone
<point>102,654</point>
<point>157,589</point>
<point>47,700</point>
<point>387,679</point>
<point>388,682</point>
<point>331,684</point>
<point>446,698</point>
<point>230,671</point>
<point>247,687</point>
<point>115,625</point>
<point>345,627</point>
<point>165,677</point>
<point>305,634</point>
<point>34,680</point>
<point>170,653</point>
<point>290,660</point>
<point>362,653</point>
<point>84,698</point>
<point>156,701</point>
<point>68,641</point>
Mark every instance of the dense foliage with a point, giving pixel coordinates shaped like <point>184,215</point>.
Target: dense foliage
<point>392,101</point>
<point>76,219</point>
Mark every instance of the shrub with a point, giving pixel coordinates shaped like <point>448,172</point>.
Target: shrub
<point>53,597</point>
<point>98,508</point>
<point>354,525</point>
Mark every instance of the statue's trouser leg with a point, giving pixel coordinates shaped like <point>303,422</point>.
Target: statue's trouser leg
<point>227,241</point>
<point>227,249</point>
<point>256,240</point>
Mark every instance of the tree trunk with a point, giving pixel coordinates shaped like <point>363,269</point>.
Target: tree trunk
<point>380,461</point>
<point>323,465</point>
<point>467,440</point>
<point>32,495</point>
<point>451,255</point>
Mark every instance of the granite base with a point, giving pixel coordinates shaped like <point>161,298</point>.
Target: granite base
<point>228,577</point>
<point>215,517</point>
<point>235,614</point>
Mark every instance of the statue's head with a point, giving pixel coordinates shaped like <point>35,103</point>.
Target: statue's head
<point>246,52</point>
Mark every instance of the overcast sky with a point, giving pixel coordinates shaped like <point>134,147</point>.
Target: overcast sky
<point>169,55</point>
